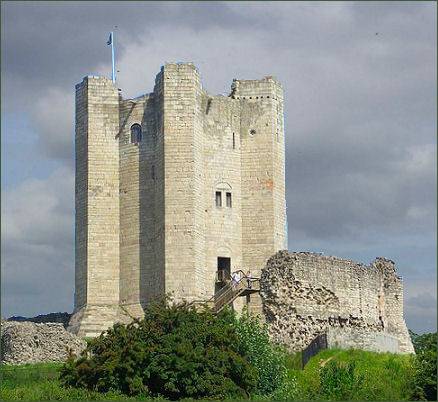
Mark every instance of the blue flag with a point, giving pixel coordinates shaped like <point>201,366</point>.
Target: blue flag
<point>110,40</point>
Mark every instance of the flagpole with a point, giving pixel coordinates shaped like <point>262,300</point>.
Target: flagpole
<point>113,60</point>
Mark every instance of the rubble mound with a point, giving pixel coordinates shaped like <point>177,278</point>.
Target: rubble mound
<point>28,342</point>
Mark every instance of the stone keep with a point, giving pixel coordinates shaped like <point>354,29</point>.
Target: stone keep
<point>159,210</point>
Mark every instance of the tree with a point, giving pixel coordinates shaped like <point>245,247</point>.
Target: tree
<point>175,352</point>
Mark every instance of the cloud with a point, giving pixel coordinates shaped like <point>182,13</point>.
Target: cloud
<point>420,311</point>
<point>53,116</point>
<point>37,245</point>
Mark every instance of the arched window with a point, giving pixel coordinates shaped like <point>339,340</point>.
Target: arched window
<point>135,133</point>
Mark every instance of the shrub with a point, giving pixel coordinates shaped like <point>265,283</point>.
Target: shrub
<point>425,378</point>
<point>269,360</point>
<point>175,352</point>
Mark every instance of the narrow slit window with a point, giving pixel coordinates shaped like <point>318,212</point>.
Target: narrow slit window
<point>135,133</point>
<point>218,198</point>
<point>229,200</point>
<point>153,172</point>
<point>234,141</point>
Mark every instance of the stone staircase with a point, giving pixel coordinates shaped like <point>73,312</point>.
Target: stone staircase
<point>91,320</point>
<point>230,291</point>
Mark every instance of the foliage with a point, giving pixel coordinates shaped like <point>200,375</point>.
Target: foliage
<point>175,352</point>
<point>382,376</point>
<point>356,375</point>
<point>294,361</point>
<point>269,360</point>
<point>425,378</point>
<point>339,380</point>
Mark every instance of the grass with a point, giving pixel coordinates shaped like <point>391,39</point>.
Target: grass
<point>25,374</point>
<point>38,382</point>
<point>377,376</point>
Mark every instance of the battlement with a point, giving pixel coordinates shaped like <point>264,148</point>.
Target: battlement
<point>265,88</point>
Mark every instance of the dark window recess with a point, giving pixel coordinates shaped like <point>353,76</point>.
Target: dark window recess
<point>153,172</point>
<point>229,200</point>
<point>218,198</point>
<point>234,141</point>
<point>136,133</point>
<point>208,106</point>
<point>223,268</point>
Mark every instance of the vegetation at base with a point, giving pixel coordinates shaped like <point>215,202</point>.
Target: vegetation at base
<point>425,377</point>
<point>177,352</point>
<point>40,382</point>
<point>270,361</point>
<point>174,352</point>
<point>330,375</point>
<point>356,375</point>
<point>12,376</point>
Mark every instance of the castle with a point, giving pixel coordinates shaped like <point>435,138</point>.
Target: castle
<point>178,186</point>
<point>172,187</point>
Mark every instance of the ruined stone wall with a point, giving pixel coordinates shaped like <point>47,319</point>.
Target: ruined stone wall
<point>305,293</point>
<point>355,338</point>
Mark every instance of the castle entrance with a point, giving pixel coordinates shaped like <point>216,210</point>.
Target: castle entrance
<point>223,272</point>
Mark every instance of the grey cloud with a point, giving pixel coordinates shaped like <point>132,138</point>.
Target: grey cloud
<point>37,245</point>
<point>59,42</point>
<point>53,115</point>
<point>39,211</point>
<point>421,312</point>
<point>424,301</point>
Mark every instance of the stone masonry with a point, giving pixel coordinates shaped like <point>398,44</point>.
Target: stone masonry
<point>158,212</point>
<point>307,294</point>
<point>28,342</point>
<point>176,185</point>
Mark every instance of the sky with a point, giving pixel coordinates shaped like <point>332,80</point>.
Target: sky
<point>360,83</point>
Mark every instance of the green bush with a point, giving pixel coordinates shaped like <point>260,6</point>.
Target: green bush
<point>175,352</point>
<point>269,360</point>
<point>425,378</point>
